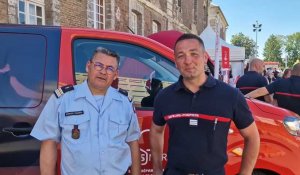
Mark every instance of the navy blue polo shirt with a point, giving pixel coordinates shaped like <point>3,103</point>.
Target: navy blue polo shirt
<point>199,123</point>
<point>287,93</point>
<point>250,81</point>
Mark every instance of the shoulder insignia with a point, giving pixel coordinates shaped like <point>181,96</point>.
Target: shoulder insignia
<point>60,91</point>
<point>123,91</point>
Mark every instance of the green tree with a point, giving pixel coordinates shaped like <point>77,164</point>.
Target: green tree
<point>273,49</point>
<point>292,48</point>
<point>244,41</point>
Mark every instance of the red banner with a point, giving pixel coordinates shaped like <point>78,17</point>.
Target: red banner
<point>225,58</point>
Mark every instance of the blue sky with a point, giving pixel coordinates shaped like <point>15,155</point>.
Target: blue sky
<point>278,17</point>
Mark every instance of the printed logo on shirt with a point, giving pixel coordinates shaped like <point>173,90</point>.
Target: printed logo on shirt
<point>74,113</point>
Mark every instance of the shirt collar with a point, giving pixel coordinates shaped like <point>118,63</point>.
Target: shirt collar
<point>209,83</point>
<point>83,90</point>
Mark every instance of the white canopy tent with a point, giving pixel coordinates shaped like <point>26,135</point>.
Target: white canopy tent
<point>237,54</point>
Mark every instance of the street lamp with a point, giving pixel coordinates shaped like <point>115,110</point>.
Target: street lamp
<point>257,28</point>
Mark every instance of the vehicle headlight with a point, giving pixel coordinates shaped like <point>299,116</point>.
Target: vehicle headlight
<point>292,124</point>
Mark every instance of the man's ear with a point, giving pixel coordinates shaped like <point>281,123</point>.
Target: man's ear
<point>116,75</point>
<point>205,57</point>
<point>87,65</point>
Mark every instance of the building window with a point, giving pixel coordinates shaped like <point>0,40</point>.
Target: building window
<point>195,11</point>
<point>134,22</point>
<point>155,26</point>
<point>31,13</point>
<point>97,14</point>
<point>178,5</point>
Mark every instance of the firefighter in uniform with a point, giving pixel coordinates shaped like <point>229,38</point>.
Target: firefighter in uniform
<point>198,110</point>
<point>253,79</point>
<point>95,124</point>
<point>286,91</point>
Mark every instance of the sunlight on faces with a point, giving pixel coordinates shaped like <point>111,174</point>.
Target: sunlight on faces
<point>190,58</point>
<point>99,81</point>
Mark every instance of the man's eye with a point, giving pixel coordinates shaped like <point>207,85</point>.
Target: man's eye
<point>180,56</point>
<point>194,54</point>
<point>110,68</point>
<point>99,65</point>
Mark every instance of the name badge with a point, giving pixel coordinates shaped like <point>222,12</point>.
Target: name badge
<point>193,122</point>
<point>74,113</point>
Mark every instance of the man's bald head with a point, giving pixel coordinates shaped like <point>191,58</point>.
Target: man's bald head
<point>256,65</point>
<point>296,69</point>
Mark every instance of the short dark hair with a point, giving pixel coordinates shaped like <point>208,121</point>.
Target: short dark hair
<point>186,36</point>
<point>296,69</point>
<point>107,52</point>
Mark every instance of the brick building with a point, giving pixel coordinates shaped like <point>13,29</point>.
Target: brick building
<point>142,17</point>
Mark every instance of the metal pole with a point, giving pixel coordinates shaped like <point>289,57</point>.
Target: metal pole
<point>256,54</point>
<point>217,44</point>
<point>256,28</point>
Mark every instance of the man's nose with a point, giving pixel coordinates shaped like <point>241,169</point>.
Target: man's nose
<point>103,71</point>
<point>188,59</point>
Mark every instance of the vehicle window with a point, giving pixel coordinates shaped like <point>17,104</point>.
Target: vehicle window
<point>137,65</point>
<point>22,64</point>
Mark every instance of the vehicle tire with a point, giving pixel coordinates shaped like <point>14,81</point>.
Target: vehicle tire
<point>258,173</point>
<point>263,172</point>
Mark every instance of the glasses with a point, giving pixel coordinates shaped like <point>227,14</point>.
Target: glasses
<point>99,67</point>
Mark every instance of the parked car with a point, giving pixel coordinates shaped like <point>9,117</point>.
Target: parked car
<point>36,60</point>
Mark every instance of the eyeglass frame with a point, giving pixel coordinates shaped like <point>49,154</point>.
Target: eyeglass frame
<point>99,67</point>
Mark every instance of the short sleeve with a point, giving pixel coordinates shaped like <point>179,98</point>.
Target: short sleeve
<point>272,87</point>
<point>242,114</point>
<point>134,132</point>
<point>158,118</point>
<point>47,125</point>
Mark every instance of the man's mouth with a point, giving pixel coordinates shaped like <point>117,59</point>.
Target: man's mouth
<point>101,78</point>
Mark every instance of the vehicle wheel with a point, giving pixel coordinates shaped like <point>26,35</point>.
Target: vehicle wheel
<point>259,173</point>
<point>262,172</point>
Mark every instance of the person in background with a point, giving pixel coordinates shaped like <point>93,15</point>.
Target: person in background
<point>95,124</point>
<point>286,91</point>
<point>155,87</point>
<point>287,73</point>
<point>276,73</point>
<point>231,80</point>
<point>253,79</point>
<point>270,76</point>
<point>198,110</point>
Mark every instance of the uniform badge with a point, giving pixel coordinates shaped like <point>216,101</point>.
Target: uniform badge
<point>193,122</point>
<point>75,132</point>
<point>60,91</point>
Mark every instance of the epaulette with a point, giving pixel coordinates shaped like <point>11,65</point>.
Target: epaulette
<point>60,91</point>
<point>123,91</point>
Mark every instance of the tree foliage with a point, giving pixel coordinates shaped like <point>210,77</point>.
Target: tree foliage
<point>292,48</point>
<point>244,41</point>
<point>273,49</point>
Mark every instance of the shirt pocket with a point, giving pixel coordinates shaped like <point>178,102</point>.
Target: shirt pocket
<point>82,122</point>
<point>117,128</point>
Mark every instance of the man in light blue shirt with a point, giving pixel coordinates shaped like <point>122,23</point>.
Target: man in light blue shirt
<point>95,124</point>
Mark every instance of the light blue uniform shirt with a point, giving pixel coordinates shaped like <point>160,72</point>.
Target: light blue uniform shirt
<point>102,147</point>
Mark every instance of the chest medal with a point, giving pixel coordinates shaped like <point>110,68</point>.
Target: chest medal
<point>75,132</point>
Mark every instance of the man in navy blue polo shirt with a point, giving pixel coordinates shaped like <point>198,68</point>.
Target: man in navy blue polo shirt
<point>198,110</point>
<point>253,79</point>
<point>286,91</point>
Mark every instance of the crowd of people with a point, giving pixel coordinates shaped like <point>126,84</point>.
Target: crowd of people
<point>272,86</point>
<point>285,91</point>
